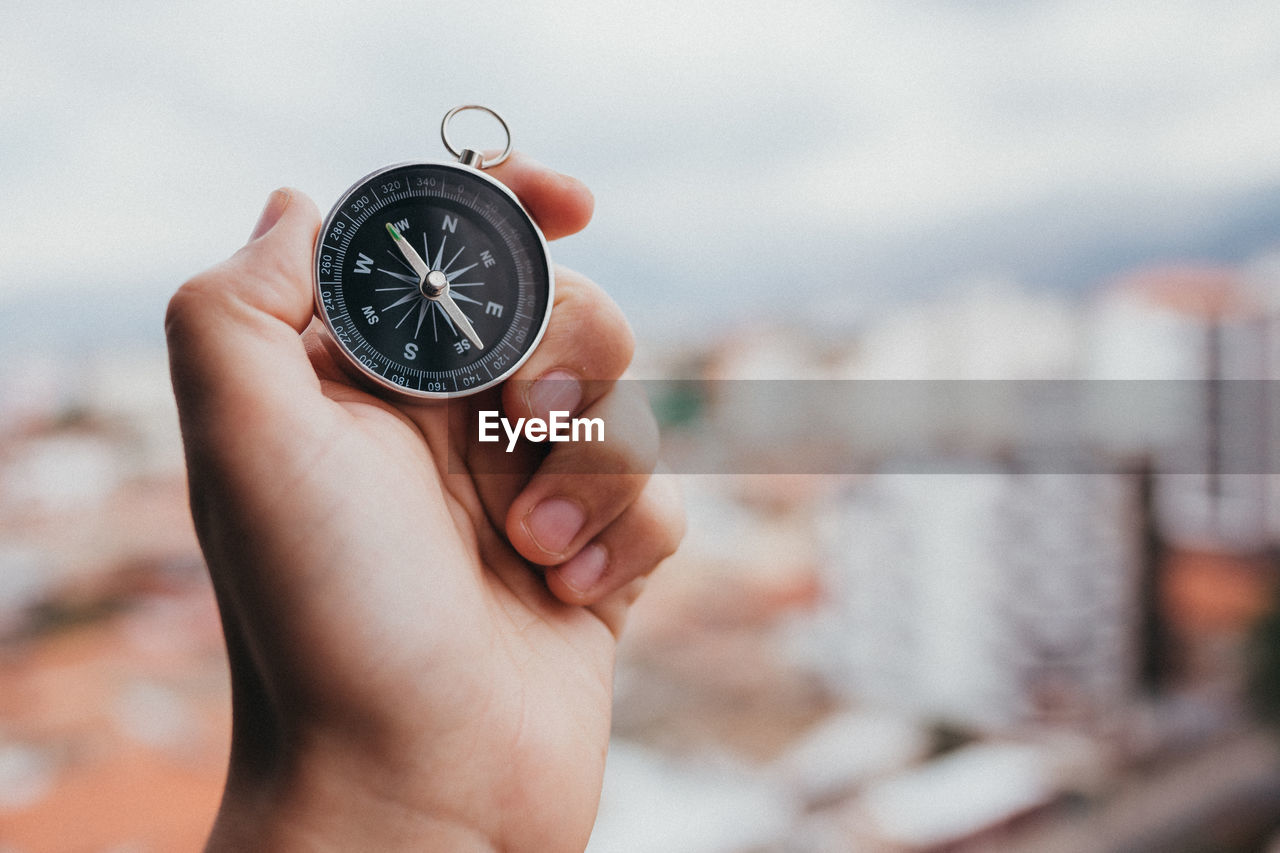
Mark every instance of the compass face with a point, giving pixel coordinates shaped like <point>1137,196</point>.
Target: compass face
<point>462,239</point>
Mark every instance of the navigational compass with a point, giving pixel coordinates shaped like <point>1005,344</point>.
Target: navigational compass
<point>431,277</point>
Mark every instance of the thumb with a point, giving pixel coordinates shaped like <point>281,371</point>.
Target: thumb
<point>235,354</point>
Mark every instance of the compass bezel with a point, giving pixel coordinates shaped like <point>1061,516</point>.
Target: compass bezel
<point>356,367</point>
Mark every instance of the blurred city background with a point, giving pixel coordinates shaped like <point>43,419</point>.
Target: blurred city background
<point>898,655</point>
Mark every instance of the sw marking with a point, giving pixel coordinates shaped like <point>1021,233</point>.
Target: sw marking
<point>560,427</point>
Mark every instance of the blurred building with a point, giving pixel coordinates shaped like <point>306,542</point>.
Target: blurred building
<point>1196,341</point>
<point>991,329</point>
<point>995,600</point>
<point>1199,342</point>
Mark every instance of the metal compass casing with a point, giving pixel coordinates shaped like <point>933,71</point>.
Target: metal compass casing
<point>431,278</point>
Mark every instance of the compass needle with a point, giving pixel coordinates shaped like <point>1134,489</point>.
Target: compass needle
<point>451,308</point>
<point>447,320</point>
<point>416,262</point>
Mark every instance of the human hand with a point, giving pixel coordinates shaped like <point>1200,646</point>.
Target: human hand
<point>405,672</point>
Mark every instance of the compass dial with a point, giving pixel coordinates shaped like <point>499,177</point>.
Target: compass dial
<point>432,279</point>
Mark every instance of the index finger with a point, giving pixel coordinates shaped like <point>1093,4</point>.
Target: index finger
<point>560,204</point>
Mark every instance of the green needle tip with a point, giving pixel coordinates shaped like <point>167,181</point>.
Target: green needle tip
<point>395,235</point>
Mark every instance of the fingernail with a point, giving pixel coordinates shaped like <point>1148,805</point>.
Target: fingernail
<point>271,213</point>
<point>557,391</point>
<point>581,573</point>
<point>553,523</point>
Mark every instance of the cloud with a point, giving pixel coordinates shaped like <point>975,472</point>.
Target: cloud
<point>728,143</point>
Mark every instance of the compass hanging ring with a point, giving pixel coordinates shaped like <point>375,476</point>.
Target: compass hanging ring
<point>466,155</point>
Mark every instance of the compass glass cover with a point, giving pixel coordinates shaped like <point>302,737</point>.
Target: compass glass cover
<point>459,223</point>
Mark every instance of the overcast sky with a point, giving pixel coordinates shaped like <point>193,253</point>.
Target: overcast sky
<point>749,158</point>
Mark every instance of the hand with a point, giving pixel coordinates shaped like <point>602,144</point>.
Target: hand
<point>421,656</point>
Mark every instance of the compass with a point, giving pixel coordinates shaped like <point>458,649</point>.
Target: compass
<point>431,278</point>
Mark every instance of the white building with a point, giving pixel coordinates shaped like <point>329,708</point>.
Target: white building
<point>993,600</point>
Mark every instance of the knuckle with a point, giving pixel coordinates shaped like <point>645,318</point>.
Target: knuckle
<point>188,304</point>
<point>630,591</point>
